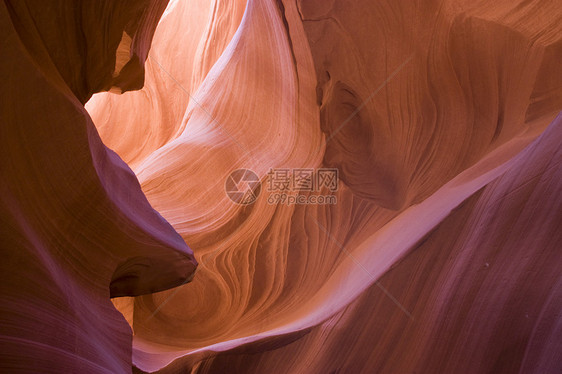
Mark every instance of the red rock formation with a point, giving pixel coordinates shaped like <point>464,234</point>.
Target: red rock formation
<point>76,227</point>
<point>441,254</point>
<point>481,291</point>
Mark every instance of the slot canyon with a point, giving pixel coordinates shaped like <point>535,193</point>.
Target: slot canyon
<point>281,186</point>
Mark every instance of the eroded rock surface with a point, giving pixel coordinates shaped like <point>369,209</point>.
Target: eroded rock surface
<point>76,228</point>
<point>440,255</point>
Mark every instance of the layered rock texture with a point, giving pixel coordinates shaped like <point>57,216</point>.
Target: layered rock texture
<point>76,227</point>
<point>440,254</point>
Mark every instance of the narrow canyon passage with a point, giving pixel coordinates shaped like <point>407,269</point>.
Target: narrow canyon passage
<point>363,186</point>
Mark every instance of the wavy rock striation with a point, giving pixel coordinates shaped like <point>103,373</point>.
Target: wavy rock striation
<point>440,255</point>
<point>425,110</point>
<point>480,291</point>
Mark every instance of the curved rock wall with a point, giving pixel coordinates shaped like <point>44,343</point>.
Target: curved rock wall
<point>439,254</point>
